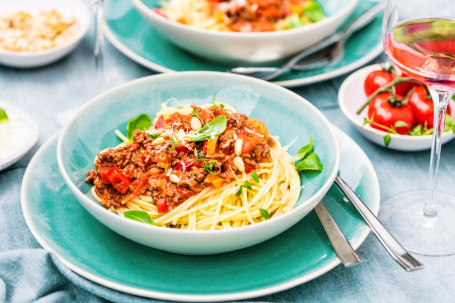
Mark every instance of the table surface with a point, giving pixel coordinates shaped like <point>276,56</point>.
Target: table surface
<point>28,273</point>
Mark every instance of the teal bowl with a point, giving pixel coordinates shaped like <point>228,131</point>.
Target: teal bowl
<point>287,115</point>
<point>248,47</point>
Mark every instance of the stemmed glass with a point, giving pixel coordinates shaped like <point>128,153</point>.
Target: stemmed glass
<point>419,39</point>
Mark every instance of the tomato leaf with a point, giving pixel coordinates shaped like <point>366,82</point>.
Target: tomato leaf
<point>3,116</point>
<point>311,162</point>
<point>387,139</point>
<point>214,128</point>
<point>264,213</point>
<point>313,11</point>
<point>255,177</point>
<point>400,124</point>
<point>142,122</point>
<point>139,215</point>
<point>304,151</point>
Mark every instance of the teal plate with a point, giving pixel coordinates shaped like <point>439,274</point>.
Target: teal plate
<point>132,35</point>
<point>303,252</point>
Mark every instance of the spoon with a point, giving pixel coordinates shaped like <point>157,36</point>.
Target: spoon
<point>337,41</point>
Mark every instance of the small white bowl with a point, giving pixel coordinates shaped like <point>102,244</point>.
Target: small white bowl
<point>351,96</point>
<point>75,8</point>
<point>256,47</point>
<point>24,134</point>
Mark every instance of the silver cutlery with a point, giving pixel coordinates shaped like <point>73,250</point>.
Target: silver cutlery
<point>398,253</point>
<point>342,248</point>
<point>335,41</point>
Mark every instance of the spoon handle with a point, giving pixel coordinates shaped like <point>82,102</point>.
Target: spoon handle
<point>398,253</point>
<point>343,249</point>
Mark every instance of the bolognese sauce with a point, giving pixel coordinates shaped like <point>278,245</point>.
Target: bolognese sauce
<point>167,164</point>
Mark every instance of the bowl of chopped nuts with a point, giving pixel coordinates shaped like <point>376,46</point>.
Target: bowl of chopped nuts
<point>36,33</point>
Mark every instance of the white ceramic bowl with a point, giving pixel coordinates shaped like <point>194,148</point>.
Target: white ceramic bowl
<point>233,47</point>
<point>285,113</point>
<point>22,132</point>
<point>351,96</point>
<point>75,8</point>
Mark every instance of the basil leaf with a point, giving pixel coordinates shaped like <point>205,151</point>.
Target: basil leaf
<point>294,21</point>
<point>387,139</point>
<point>313,11</point>
<point>247,185</point>
<point>264,213</point>
<point>239,192</point>
<point>311,162</point>
<point>255,177</point>
<point>304,151</point>
<point>139,215</point>
<point>153,136</point>
<point>3,116</point>
<point>214,128</point>
<point>142,122</point>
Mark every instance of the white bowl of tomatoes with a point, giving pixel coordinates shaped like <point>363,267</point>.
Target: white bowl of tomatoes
<point>400,118</point>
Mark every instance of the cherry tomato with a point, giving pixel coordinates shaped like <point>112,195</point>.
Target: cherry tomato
<point>187,164</point>
<point>113,176</point>
<point>183,148</point>
<point>375,80</point>
<point>160,123</point>
<point>423,107</point>
<point>382,112</point>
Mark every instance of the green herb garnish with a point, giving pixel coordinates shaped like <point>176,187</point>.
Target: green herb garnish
<point>214,128</point>
<point>309,161</point>
<point>3,116</point>
<point>255,177</point>
<point>153,136</point>
<point>245,184</point>
<point>142,122</point>
<point>194,114</point>
<point>313,11</point>
<point>264,213</point>
<point>304,151</point>
<point>139,215</point>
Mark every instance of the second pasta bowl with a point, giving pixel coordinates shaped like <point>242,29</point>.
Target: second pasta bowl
<point>205,172</point>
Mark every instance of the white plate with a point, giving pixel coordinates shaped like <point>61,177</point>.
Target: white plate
<point>351,96</point>
<point>20,124</point>
<point>75,8</point>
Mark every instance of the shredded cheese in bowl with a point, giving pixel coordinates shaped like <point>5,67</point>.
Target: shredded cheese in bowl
<point>25,32</point>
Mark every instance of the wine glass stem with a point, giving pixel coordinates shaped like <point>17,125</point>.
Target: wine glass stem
<point>440,101</point>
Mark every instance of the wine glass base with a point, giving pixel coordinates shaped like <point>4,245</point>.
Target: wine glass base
<point>431,236</point>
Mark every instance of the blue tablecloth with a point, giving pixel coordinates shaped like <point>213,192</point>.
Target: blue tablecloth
<point>29,273</point>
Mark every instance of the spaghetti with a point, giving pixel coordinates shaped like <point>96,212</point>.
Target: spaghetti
<point>225,194</point>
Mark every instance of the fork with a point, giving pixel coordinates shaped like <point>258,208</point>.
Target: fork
<point>338,39</point>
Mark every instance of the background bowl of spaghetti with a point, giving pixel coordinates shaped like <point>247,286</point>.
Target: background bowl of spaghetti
<point>287,116</point>
<point>247,47</point>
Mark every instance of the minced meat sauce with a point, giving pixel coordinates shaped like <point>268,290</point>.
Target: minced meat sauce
<point>172,169</point>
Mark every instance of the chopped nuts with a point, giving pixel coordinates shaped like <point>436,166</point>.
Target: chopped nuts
<point>238,147</point>
<point>157,141</point>
<point>238,162</point>
<point>174,178</point>
<point>196,123</point>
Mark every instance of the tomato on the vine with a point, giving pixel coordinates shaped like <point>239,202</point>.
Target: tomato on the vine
<point>422,105</point>
<point>385,113</point>
<point>375,80</point>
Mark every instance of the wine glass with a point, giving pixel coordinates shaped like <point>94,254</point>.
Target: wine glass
<point>419,39</point>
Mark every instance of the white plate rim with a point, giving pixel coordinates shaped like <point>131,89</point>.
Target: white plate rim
<point>27,147</point>
<point>374,52</point>
<point>202,298</point>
